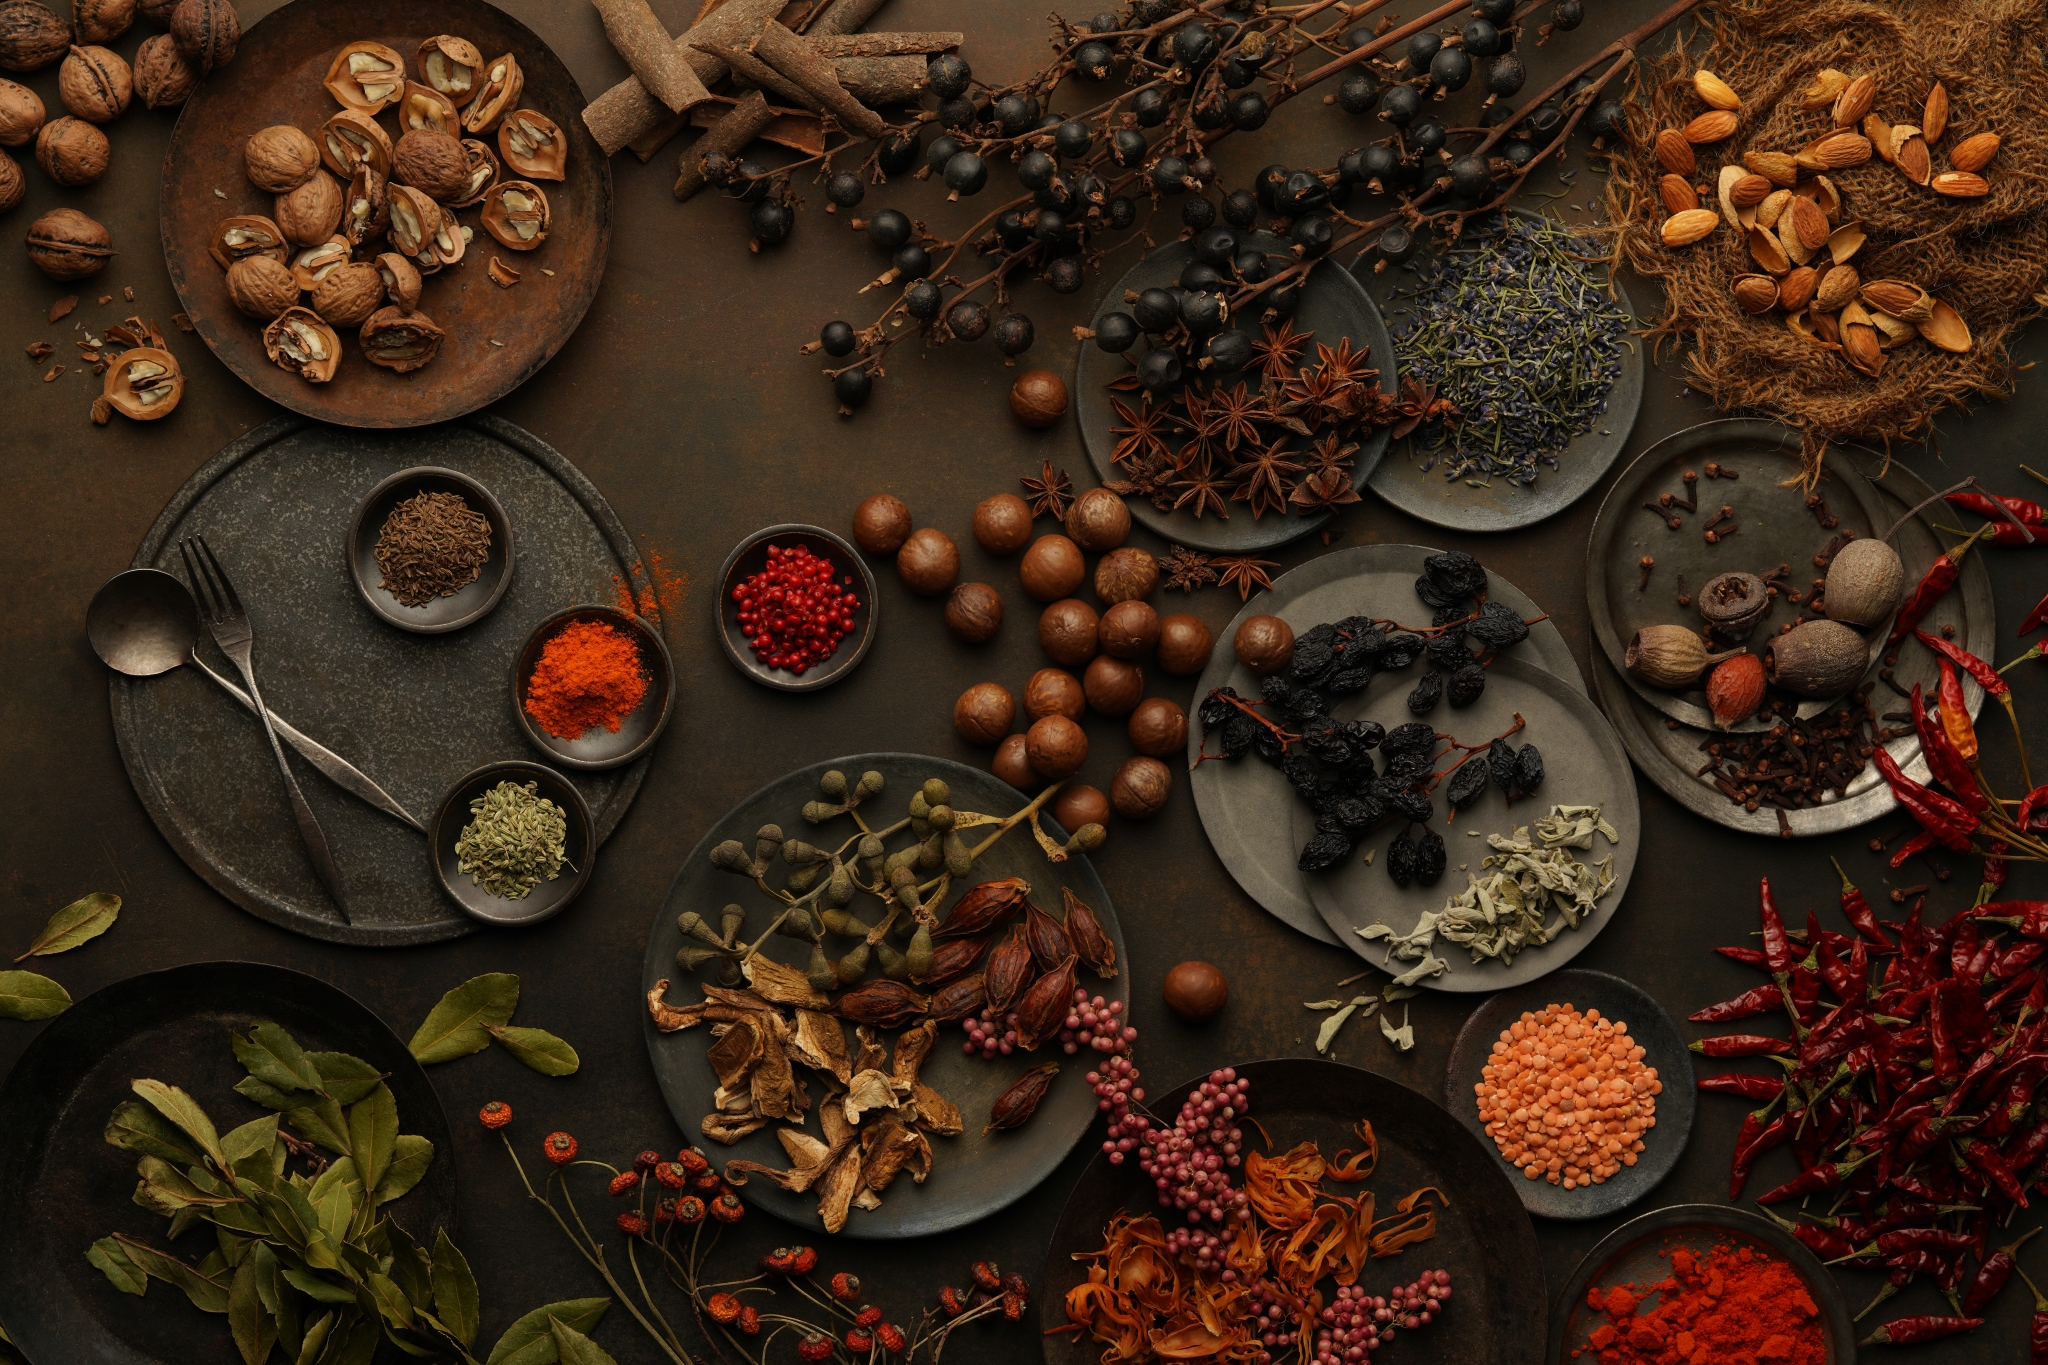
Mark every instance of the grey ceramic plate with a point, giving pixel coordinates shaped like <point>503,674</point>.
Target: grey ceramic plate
<point>1663,1048</point>
<point>1629,1255</point>
<point>1401,480</point>
<point>972,1175</point>
<point>1332,306</point>
<point>1483,1236</point>
<point>1585,765</point>
<point>415,712</point>
<point>1245,806</point>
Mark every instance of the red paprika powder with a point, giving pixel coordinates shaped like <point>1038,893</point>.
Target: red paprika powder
<point>1732,1304</point>
<point>588,675</point>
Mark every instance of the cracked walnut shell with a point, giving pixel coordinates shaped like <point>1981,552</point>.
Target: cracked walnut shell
<point>413,220</point>
<point>503,84</point>
<point>144,383</point>
<point>310,213</point>
<point>516,213</point>
<point>312,265</point>
<point>21,114</point>
<point>368,206</point>
<point>299,342</point>
<point>484,171</point>
<point>400,341</point>
<point>95,84</point>
<point>425,107</point>
<point>246,234</point>
<point>280,158</point>
<point>72,152</point>
<point>450,65</point>
<point>66,245</point>
<point>401,281</point>
<point>533,146</point>
<point>432,163</point>
<point>350,293</point>
<point>163,77</point>
<point>31,36</point>
<point>207,32</point>
<point>261,288</point>
<point>366,77</point>
<point>351,139</point>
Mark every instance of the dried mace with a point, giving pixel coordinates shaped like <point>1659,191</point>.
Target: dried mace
<point>1015,1106</point>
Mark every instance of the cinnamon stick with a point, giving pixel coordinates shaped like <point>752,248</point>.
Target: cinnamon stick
<point>651,53</point>
<point>882,44</point>
<point>626,112</point>
<point>755,72</point>
<point>796,129</point>
<point>845,16</point>
<point>881,80</point>
<point>739,126</point>
<point>789,55</point>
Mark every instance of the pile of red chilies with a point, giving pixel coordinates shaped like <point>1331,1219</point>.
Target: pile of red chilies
<point>1907,1093</point>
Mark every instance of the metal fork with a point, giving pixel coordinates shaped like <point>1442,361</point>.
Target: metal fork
<point>229,623</point>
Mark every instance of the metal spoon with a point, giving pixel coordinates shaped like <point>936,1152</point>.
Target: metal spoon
<point>144,622</point>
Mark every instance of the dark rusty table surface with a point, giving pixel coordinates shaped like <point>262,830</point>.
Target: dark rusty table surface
<point>683,398</point>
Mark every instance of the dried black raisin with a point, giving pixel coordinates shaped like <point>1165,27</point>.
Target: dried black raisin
<point>1429,858</point>
<point>1238,733</point>
<point>1455,571</point>
<point>1498,626</point>
<point>1400,859</point>
<point>1300,772</point>
<point>1415,737</point>
<point>1500,762</point>
<point>1312,662</point>
<point>1411,805</point>
<point>1467,684</point>
<point>1399,652</point>
<point>1528,769</point>
<point>1267,745</point>
<point>1467,785</point>
<point>1323,634</point>
<point>1353,815</point>
<point>1365,734</point>
<point>1426,694</point>
<point>1434,595</point>
<point>1275,689</point>
<point>1406,768</point>
<point>1349,680</point>
<point>1303,704</point>
<point>1324,852</point>
<point>1443,616</point>
<point>1214,710</point>
<point>1448,650</point>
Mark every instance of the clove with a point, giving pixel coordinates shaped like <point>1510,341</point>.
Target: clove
<point>1647,564</point>
<point>1818,505</point>
<point>1670,519</point>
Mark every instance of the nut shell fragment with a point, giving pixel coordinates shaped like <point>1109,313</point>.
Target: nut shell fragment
<point>1766,250</point>
<point>366,77</point>
<point>1945,329</point>
<point>261,287</point>
<point>310,213</point>
<point>413,220</point>
<point>95,84</point>
<point>1683,229</point>
<point>450,66</point>
<point>280,158</point>
<point>299,342</point>
<point>368,206</point>
<point>516,213</point>
<point>1960,185</point>
<point>315,263</point>
<point>1837,288</point>
<point>503,84</point>
<point>1880,134</point>
<point>1774,204</point>
<point>483,172</point>
<point>351,138</point>
<point>1755,293</point>
<point>1845,241</point>
<point>533,146</point>
<point>401,281</point>
<point>349,294</point>
<point>502,275</point>
<point>144,383</point>
<point>425,107</point>
<point>400,341</point>
<point>1974,153</point>
<point>1737,218</point>
<point>246,234</point>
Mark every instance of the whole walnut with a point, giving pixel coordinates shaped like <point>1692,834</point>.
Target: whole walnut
<point>66,245</point>
<point>349,294</point>
<point>432,163</point>
<point>31,36</point>
<point>72,152</point>
<point>163,77</point>
<point>157,11</point>
<point>13,185</point>
<point>262,287</point>
<point>309,214</point>
<point>280,158</point>
<point>206,31</point>
<point>95,84</point>
<point>100,21</point>
<point>21,114</point>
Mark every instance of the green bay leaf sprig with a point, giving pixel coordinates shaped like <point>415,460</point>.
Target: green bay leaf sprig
<point>29,995</point>
<point>470,1017</point>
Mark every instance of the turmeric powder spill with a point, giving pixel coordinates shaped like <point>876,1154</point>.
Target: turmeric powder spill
<point>589,674</point>
<point>1566,1097</point>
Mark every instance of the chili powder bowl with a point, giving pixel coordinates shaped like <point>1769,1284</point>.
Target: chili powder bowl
<point>546,899</point>
<point>750,557</point>
<point>443,614</point>
<point>598,748</point>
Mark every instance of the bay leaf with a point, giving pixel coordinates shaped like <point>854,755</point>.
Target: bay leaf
<point>455,1026</point>
<point>251,1326</point>
<point>323,1123</point>
<point>315,1339</point>
<point>346,1079</point>
<point>455,1294</point>
<point>410,1269</point>
<point>268,1095</point>
<point>530,1340</point>
<point>391,1301</point>
<point>317,1289</point>
<point>372,1133</point>
<point>135,1127</point>
<point>207,1295</point>
<point>360,1347</point>
<point>410,1158</point>
<point>540,1050</point>
<point>81,921</point>
<point>253,1137</point>
<point>334,1197</point>
<point>172,1190</point>
<point>265,1262</point>
<point>577,1349</point>
<point>273,1056</point>
<point>113,1262</point>
<point>181,1109</point>
<point>24,995</point>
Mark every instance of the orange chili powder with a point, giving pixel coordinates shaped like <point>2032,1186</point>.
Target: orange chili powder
<point>588,675</point>
<point>1737,1306</point>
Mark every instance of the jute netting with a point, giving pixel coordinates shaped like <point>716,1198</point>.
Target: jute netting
<point>1986,257</point>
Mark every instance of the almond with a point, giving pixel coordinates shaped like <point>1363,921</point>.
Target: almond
<point>1827,84</point>
<point>1810,223</point>
<point>1739,219</point>
<point>1774,204</point>
<point>1974,153</point>
<point>1683,229</point>
<point>1946,329</point>
<point>1855,100</point>
<point>1901,298</point>
<point>1897,137</point>
<point>1711,126</point>
<point>1765,249</point>
<point>1843,149</point>
<point>1795,291</point>
<point>1674,153</point>
<point>1827,326</point>
<point>1960,185</point>
<point>1795,250</point>
<point>1836,288</point>
<point>1755,293</point>
<point>1913,160</point>
<point>1934,121</point>
<point>1749,191</point>
<point>1893,331</point>
<point>1845,241</point>
<point>1678,195</point>
<point>1776,167</point>
<point>1826,196</point>
<point>1715,91</point>
<point>1802,323</point>
<point>1861,349</point>
<point>1880,134</point>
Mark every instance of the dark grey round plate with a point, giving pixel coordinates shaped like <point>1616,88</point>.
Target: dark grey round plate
<point>1483,1235</point>
<point>1428,495</point>
<point>1663,1048</point>
<point>1245,805</point>
<point>972,1175</point>
<point>749,557</point>
<point>414,712</point>
<point>597,748</point>
<point>547,899</point>
<point>62,1187</point>
<point>1629,1255</point>
<point>1670,757</point>
<point>1585,765</point>
<point>1332,306</point>
<point>443,614</point>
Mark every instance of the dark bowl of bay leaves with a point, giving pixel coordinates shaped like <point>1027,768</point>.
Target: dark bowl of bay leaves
<point>430,550</point>
<point>513,838</point>
<point>593,687</point>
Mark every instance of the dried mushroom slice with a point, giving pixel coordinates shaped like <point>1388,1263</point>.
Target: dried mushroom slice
<point>350,139</point>
<point>312,265</point>
<point>450,66</point>
<point>261,287</point>
<point>369,206</point>
<point>350,293</point>
<point>401,281</point>
<point>298,341</point>
<point>144,383</point>
<point>413,220</point>
<point>426,107</point>
<point>310,213</point>
<point>503,84</point>
<point>484,171</point>
<point>533,146</point>
<point>400,341</point>
<point>246,234</point>
<point>366,77</point>
<point>516,213</point>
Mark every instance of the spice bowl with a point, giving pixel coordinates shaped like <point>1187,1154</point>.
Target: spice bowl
<point>548,898</point>
<point>598,748</point>
<point>465,607</point>
<point>849,569</point>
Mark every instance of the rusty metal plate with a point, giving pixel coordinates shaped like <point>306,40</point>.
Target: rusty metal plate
<point>497,338</point>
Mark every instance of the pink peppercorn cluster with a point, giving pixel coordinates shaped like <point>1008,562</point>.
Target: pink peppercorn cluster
<point>988,1039</point>
<point>793,613</point>
<point>1349,1328</point>
<point>1094,1023</point>
<point>1190,1163</point>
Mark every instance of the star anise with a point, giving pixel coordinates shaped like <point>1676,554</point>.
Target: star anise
<point>1312,393</point>
<point>1243,572</point>
<point>1262,481</point>
<point>1050,493</point>
<point>1204,428</point>
<point>1348,365</point>
<point>1203,490</point>
<point>1187,569</point>
<point>1236,414</point>
<point>1324,488</point>
<point>1139,432</point>
<point>1420,404</point>
<point>1279,351</point>
<point>1332,453</point>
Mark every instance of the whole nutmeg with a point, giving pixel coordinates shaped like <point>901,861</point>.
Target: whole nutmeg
<point>206,31</point>
<point>66,245</point>
<point>101,21</point>
<point>1264,644</point>
<point>983,713</point>
<point>13,184</point>
<point>1056,748</point>
<point>95,84</point>
<point>1069,632</point>
<point>1126,575</point>
<point>1002,524</point>
<point>1052,568</point>
<point>309,214</point>
<point>163,77</point>
<point>1196,991</point>
<point>1817,659</point>
<point>261,287</point>
<point>1130,630</point>
<point>974,612</point>
<point>1098,521</point>
<point>280,158</point>
<point>1864,581</point>
<point>1184,645</point>
<point>1054,692</point>
<point>929,562</point>
<point>1114,686</point>
<point>1140,787</point>
<point>1039,398</point>
<point>1158,728</point>
<point>1013,765</point>
<point>433,163</point>
<point>1079,804</point>
<point>31,36</point>
<point>72,152</point>
<point>881,524</point>
<point>348,294</point>
<point>21,114</point>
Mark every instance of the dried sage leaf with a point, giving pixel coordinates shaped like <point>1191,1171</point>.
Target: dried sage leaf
<point>455,1027</point>
<point>84,919</point>
<point>410,1157</point>
<point>539,1049</point>
<point>274,1057</point>
<point>455,1297</point>
<point>184,1111</point>
<point>113,1261</point>
<point>577,1349</point>
<point>24,995</point>
<point>530,1340</point>
<point>373,1133</point>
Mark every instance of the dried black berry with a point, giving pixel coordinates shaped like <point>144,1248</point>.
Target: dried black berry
<point>1467,685</point>
<point>1238,733</point>
<point>1312,662</point>
<point>1407,768</point>
<point>1498,626</point>
<point>1429,858</point>
<point>1456,572</point>
<point>1399,652</point>
<point>1216,709</point>
<point>1434,594</point>
<point>1400,859</point>
<point>1467,785</point>
<point>1353,815</point>
<point>1410,805</point>
<point>1448,650</point>
<point>1427,693</point>
<point>1275,689</point>
<point>1500,762</point>
<point>1349,680</point>
<point>1268,745</point>
<point>1324,852</point>
<point>1528,769</point>
<point>1416,737</point>
<point>1302,705</point>
<point>1365,734</point>
<point>1300,772</point>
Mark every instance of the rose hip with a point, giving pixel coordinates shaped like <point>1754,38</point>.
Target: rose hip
<point>793,613</point>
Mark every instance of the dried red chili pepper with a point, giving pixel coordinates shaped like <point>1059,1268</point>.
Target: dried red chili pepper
<point>1985,1158</point>
<point>1992,1275</point>
<point>2036,618</point>
<point>1829,1175</point>
<point>1856,908</point>
<point>1914,847</point>
<point>1943,759</point>
<point>1948,822</point>
<point>1987,677</point>
<point>1940,577</point>
<point>1926,1327</point>
<point>1741,1045</point>
<point>1955,713</point>
<point>1995,870</point>
<point>1777,948</point>
<point>1749,1087</point>
<point>1757,1000</point>
<point>1753,1142</point>
<point>1924,1239</point>
<point>1754,957</point>
<point>2037,1329</point>
<point>1985,506</point>
<point>2030,918</point>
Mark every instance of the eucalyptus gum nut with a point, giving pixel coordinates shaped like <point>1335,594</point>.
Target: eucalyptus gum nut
<point>730,922</point>
<point>936,792</point>
<point>833,784</point>
<point>822,975</point>
<point>797,853</point>
<point>1088,838</point>
<point>919,807</point>
<point>892,962</point>
<point>853,964</point>
<point>731,856</point>
<point>818,812</point>
<point>901,858</point>
<point>870,784</point>
<point>959,862</point>
<point>931,852</point>
<point>803,878</point>
<point>940,819</point>
<point>730,976</point>
<point>870,848</point>
<point>839,891</point>
<point>920,828</point>
<point>690,957</point>
<point>919,955</point>
<point>843,923</point>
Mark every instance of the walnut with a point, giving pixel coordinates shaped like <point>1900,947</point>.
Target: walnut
<point>157,11</point>
<point>503,84</point>
<point>280,158</point>
<point>366,77</point>
<point>72,152</point>
<point>95,84</point>
<point>162,75</point>
<point>484,171</point>
<point>400,341</point>
<point>144,383</point>
<point>100,21</point>
<point>533,146</point>
<point>351,139</point>
<point>349,294</point>
<point>449,64</point>
<point>12,184</point>
<point>246,234</point>
<point>432,163</point>
<point>206,31</point>
<point>311,212</point>
<point>316,262</point>
<point>401,281</point>
<point>261,287</point>
<point>300,342</point>
<point>425,107</point>
<point>516,213</point>
<point>31,37</point>
<point>21,114</point>
<point>368,206</point>
<point>413,220</point>
<point>67,245</point>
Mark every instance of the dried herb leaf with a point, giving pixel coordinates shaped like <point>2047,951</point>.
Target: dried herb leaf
<point>539,1049</point>
<point>373,1134</point>
<point>392,1305</point>
<point>317,1289</point>
<point>184,1111</point>
<point>257,1135</point>
<point>346,1079</point>
<point>268,1095</point>
<point>577,1349</point>
<point>1331,1025</point>
<point>208,1295</point>
<point>24,995</point>
<point>518,1345</point>
<point>274,1057</point>
<point>135,1127</point>
<point>84,919</point>
<point>456,1026</point>
<point>322,1123</point>
<point>455,1296</point>
<point>254,1332</point>
<point>411,1155</point>
<point>113,1261</point>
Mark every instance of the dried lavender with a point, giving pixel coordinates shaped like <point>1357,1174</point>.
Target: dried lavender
<point>1515,331</point>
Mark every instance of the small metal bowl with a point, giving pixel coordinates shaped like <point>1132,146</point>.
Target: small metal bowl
<point>443,614</point>
<point>748,559</point>
<point>598,748</point>
<point>547,899</point>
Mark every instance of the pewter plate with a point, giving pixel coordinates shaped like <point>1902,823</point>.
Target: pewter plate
<point>415,712</point>
<point>1333,306</point>
<point>1585,766</point>
<point>1245,806</point>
